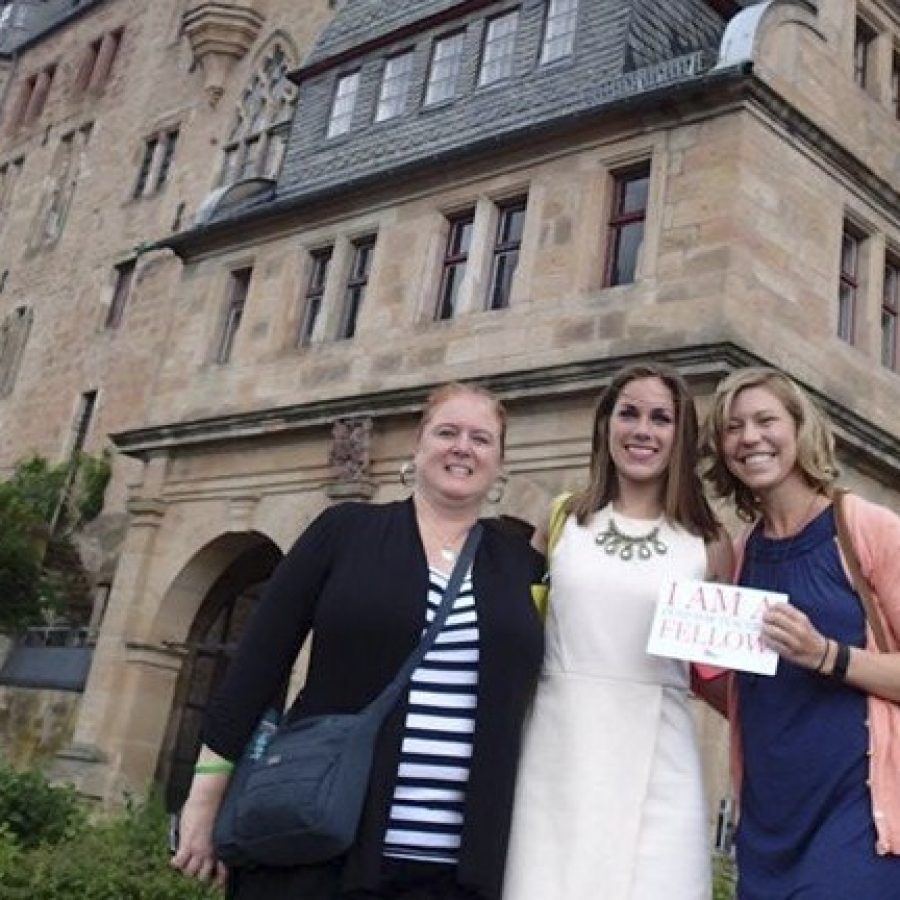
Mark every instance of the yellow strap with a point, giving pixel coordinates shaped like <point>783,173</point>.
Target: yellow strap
<point>540,593</point>
<point>557,522</point>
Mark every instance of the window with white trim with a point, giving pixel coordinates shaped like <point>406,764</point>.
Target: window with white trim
<point>343,104</point>
<point>559,30</point>
<point>498,54</point>
<point>394,86</point>
<point>443,74</point>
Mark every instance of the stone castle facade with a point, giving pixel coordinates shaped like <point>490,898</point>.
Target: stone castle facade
<point>240,240</point>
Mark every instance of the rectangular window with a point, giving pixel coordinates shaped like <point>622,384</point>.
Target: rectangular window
<point>559,30</point>
<point>252,157</point>
<point>510,224</point>
<point>82,424</point>
<point>143,178</point>
<point>498,54</point>
<point>320,260</point>
<point>456,257</point>
<point>851,245</point>
<point>626,225</point>
<point>363,250</point>
<point>67,167</point>
<point>394,86</point>
<point>895,84</point>
<point>89,60</point>
<point>124,278</point>
<point>35,94</point>
<point>170,139</point>
<point>863,55</point>
<point>109,49</point>
<point>230,164</point>
<point>9,176</point>
<point>446,60</point>
<point>238,289</point>
<point>342,106</point>
<point>155,162</point>
<point>14,331</point>
<point>890,313</point>
<point>275,149</point>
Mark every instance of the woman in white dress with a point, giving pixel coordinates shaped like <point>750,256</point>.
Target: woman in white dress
<point>609,802</point>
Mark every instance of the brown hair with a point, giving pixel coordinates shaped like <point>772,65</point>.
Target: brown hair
<point>455,389</point>
<point>684,502</point>
<point>816,458</point>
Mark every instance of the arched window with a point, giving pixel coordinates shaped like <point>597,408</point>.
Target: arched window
<point>259,133</point>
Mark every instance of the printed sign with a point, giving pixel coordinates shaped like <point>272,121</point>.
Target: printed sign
<point>717,624</point>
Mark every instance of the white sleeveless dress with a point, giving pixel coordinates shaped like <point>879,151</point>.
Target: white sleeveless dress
<point>609,801</point>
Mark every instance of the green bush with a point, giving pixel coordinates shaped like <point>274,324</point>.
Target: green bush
<point>120,857</point>
<point>724,878</point>
<point>34,812</point>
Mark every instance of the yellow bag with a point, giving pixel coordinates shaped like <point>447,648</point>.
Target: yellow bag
<point>540,593</point>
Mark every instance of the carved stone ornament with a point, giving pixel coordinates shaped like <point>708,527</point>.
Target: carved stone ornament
<point>219,35</point>
<point>352,439</point>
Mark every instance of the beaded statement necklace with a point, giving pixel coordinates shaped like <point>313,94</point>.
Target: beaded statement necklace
<point>616,542</point>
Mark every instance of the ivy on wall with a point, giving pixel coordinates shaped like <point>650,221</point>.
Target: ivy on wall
<point>41,507</point>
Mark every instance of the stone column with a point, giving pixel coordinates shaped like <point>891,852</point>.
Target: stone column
<point>115,691</point>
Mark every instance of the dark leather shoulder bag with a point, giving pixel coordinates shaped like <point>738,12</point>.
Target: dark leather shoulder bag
<point>300,801</point>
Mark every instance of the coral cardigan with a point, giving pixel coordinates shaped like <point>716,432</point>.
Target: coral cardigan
<point>875,535</point>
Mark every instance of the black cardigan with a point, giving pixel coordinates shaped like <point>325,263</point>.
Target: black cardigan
<point>358,578</point>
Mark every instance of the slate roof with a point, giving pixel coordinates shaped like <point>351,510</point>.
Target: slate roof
<point>623,48</point>
<point>27,20</point>
<point>624,51</point>
<point>365,20</point>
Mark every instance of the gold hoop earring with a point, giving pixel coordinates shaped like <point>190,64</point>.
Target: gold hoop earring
<point>408,474</point>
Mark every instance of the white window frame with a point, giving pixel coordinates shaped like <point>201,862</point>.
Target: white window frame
<point>446,63</point>
<point>499,52</point>
<point>394,86</point>
<point>559,30</point>
<point>346,90</point>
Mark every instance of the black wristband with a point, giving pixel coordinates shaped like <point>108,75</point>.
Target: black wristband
<point>841,661</point>
<point>818,668</point>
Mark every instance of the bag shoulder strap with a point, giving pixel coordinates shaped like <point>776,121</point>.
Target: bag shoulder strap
<point>857,579</point>
<point>384,702</point>
<point>558,516</point>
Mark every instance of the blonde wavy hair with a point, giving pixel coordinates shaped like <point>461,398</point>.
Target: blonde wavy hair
<point>816,457</point>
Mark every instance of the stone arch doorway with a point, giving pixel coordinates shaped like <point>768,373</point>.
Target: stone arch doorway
<point>211,640</point>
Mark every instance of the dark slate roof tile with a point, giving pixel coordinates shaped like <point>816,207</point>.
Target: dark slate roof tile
<point>364,20</point>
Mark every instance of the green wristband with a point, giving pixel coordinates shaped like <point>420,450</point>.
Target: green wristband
<point>214,768</point>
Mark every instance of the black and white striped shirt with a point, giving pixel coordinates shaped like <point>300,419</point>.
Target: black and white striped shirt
<point>426,814</point>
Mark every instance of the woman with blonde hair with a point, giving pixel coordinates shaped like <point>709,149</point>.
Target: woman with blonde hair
<point>817,746</point>
<point>609,801</point>
<point>365,579</point>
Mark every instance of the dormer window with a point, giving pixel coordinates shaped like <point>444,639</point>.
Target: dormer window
<point>559,30</point>
<point>342,106</point>
<point>394,86</point>
<point>446,61</point>
<point>499,48</point>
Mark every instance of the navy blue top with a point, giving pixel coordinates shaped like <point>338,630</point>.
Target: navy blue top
<point>806,827</point>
